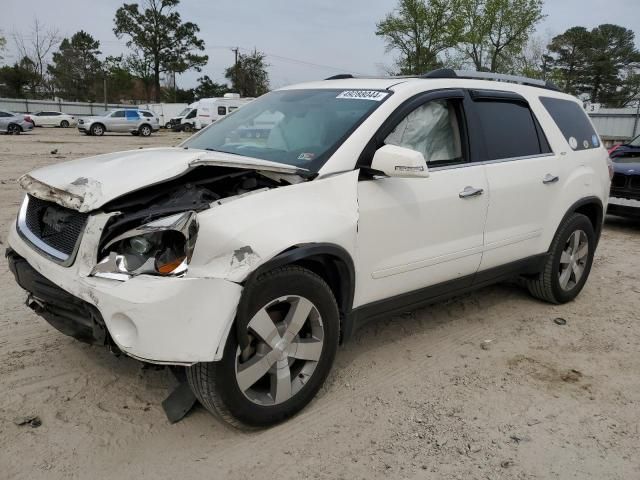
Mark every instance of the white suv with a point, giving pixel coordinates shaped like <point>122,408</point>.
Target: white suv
<point>249,258</point>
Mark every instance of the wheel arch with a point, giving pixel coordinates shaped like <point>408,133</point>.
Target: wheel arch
<point>329,261</point>
<point>592,208</point>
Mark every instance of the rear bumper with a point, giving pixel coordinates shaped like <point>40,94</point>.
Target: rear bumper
<point>167,320</point>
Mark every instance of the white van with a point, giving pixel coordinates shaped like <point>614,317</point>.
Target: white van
<point>208,110</point>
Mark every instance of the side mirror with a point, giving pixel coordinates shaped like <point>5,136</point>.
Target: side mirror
<point>401,162</point>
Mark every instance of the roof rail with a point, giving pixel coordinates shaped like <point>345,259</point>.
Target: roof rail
<point>498,77</point>
<point>340,76</point>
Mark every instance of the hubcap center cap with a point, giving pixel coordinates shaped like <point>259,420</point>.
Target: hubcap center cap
<point>281,349</point>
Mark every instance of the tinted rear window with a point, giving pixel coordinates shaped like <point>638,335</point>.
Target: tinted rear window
<point>573,123</point>
<point>509,129</point>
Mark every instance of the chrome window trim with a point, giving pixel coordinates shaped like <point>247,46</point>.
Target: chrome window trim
<point>42,247</point>
<point>489,162</point>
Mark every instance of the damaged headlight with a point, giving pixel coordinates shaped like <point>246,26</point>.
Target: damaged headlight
<point>163,247</point>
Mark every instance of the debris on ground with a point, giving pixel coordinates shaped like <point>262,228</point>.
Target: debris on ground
<point>486,344</point>
<point>559,321</point>
<point>32,420</point>
<point>54,151</point>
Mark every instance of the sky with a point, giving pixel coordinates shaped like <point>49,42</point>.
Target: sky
<point>303,39</point>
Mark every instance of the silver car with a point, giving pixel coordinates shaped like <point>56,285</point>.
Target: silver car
<point>123,120</point>
<point>14,123</point>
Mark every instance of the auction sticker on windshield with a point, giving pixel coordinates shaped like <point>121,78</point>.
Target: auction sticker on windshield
<point>363,95</point>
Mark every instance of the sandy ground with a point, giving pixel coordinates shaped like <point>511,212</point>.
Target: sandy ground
<point>413,396</point>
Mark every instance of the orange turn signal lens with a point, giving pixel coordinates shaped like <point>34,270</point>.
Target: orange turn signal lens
<point>169,267</point>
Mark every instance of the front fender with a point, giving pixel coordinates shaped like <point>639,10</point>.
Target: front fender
<point>238,236</point>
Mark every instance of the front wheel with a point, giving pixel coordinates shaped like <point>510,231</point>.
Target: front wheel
<point>569,262</point>
<point>97,130</point>
<point>188,127</point>
<point>291,322</point>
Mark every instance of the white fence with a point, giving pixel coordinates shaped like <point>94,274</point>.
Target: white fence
<point>22,105</point>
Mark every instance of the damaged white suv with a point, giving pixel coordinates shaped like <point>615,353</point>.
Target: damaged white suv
<point>249,252</point>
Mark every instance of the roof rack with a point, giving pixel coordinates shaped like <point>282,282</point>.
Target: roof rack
<point>497,77</point>
<point>469,74</point>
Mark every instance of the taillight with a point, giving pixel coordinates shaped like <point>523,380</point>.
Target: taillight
<point>610,166</point>
<point>614,148</point>
<point>27,118</point>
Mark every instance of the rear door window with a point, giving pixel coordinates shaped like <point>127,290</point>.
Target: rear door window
<point>572,122</point>
<point>222,110</point>
<point>509,130</point>
<point>132,115</point>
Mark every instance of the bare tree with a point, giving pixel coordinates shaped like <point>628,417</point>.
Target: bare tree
<point>36,46</point>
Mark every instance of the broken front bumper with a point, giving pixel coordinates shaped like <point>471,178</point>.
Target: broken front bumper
<point>156,319</point>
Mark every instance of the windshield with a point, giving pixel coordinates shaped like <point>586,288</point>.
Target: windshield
<point>300,128</point>
<point>184,112</point>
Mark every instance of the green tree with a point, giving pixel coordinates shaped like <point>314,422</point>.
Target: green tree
<point>601,64</point>
<point>496,31</point>
<point>249,76</point>
<point>15,79</point>
<point>421,31</point>
<point>76,70</point>
<point>207,88</point>
<point>120,81</point>
<point>570,53</point>
<point>612,57</point>
<point>3,44</point>
<point>141,67</point>
<point>164,40</point>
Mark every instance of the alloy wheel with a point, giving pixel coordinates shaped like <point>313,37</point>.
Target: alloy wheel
<point>286,340</point>
<point>573,260</point>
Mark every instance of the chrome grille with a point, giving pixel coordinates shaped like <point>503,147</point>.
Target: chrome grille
<point>54,229</point>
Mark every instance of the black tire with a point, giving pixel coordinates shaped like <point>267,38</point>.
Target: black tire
<point>97,129</point>
<point>215,383</point>
<point>167,125</point>
<point>546,286</point>
<point>187,128</point>
<point>144,130</point>
<point>13,128</point>
<point>64,124</point>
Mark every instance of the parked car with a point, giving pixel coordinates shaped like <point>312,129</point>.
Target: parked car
<point>625,185</point>
<point>152,117</point>
<point>53,119</point>
<point>121,120</point>
<point>14,122</point>
<point>248,260</point>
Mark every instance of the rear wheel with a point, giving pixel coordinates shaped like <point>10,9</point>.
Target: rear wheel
<point>291,321</point>
<point>64,124</point>
<point>569,262</point>
<point>144,130</point>
<point>14,129</point>
<point>97,130</point>
<point>167,125</point>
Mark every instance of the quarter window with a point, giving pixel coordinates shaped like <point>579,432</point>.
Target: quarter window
<point>573,123</point>
<point>432,129</point>
<point>222,110</point>
<point>509,130</point>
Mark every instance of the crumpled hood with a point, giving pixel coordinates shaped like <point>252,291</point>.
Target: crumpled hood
<point>87,184</point>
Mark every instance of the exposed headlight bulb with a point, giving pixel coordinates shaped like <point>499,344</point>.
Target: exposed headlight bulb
<point>139,245</point>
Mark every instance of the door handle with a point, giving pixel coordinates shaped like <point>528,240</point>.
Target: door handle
<point>470,192</point>
<point>548,178</point>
